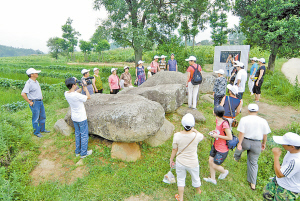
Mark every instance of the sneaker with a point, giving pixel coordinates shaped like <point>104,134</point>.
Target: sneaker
<point>39,135</point>
<point>77,155</point>
<point>210,180</point>
<point>194,108</point>
<point>223,175</point>
<point>45,131</point>
<point>89,152</point>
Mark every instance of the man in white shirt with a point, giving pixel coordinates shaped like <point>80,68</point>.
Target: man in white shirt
<point>78,115</point>
<point>252,130</point>
<point>286,184</point>
<point>240,79</point>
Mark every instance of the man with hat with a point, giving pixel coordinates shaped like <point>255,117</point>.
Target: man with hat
<point>252,130</point>
<point>259,78</point>
<point>192,89</point>
<point>162,62</point>
<point>172,64</point>
<point>252,74</point>
<point>32,93</point>
<point>286,184</point>
<point>240,79</point>
<point>219,89</point>
<point>86,74</point>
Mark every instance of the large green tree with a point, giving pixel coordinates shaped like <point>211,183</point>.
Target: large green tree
<point>70,35</point>
<point>85,47</point>
<point>273,25</point>
<point>101,46</point>
<point>57,46</point>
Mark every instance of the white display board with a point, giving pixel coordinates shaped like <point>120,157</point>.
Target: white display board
<point>222,52</point>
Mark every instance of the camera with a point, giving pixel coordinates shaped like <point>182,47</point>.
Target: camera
<point>88,81</point>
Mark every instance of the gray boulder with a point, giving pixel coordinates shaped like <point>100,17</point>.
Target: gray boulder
<point>165,77</point>
<point>208,82</point>
<point>122,117</point>
<point>170,96</point>
<point>197,115</point>
<point>164,133</point>
<point>62,127</point>
<point>208,97</point>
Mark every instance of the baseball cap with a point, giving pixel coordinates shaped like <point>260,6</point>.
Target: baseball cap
<point>188,121</point>
<point>240,64</point>
<point>126,67</point>
<point>156,57</point>
<point>140,62</point>
<point>262,60</point>
<point>288,139</point>
<point>191,58</point>
<point>163,56</point>
<point>253,59</point>
<point>113,69</point>
<point>253,107</point>
<point>31,71</point>
<point>96,69</point>
<point>233,88</point>
<point>84,71</point>
<point>221,71</point>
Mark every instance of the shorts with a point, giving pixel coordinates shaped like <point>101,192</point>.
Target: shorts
<point>181,175</point>
<point>219,157</point>
<point>272,191</point>
<point>256,89</point>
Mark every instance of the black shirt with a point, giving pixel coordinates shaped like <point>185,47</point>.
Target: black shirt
<point>258,71</point>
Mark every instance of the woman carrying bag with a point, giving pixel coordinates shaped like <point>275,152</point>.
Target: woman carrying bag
<point>185,145</point>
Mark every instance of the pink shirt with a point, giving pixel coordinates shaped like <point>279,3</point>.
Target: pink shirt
<point>113,82</point>
<point>191,70</point>
<point>220,144</point>
<point>154,65</point>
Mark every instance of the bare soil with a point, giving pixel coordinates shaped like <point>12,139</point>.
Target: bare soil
<point>141,197</point>
<point>291,69</point>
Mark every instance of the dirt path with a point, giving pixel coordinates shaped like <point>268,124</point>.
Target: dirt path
<point>291,69</point>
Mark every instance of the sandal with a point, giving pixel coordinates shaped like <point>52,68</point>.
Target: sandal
<point>177,197</point>
<point>252,187</point>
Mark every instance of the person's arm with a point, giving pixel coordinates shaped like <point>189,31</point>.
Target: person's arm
<point>227,59</point>
<point>176,67</point>
<point>241,138</point>
<point>254,71</point>
<point>158,67</point>
<point>145,74</point>
<point>223,101</point>
<point>110,82</point>
<point>188,77</point>
<point>94,84</point>
<point>277,152</point>
<point>238,82</point>
<point>227,137</point>
<point>238,109</point>
<point>136,72</point>
<point>263,144</point>
<point>174,151</point>
<point>24,95</point>
<point>168,66</point>
<point>84,88</point>
<point>261,72</point>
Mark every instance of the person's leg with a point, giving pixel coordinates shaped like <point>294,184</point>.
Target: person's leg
<point>84,134</point>
<point>194,172</point>
<point>35,109</point>
<point>190,94</point>
<point>270,190</point>
<point>181,175</point>
<point>211,168</point>
<point>252,159</point>
<point>195,95</point>
<point>238,153</point>
<point>77,137</point>
<point>218,160</point>
<point>250,85</point>
<point>42,118</point>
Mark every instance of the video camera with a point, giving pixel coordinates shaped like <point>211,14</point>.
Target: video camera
<point>88,81</point>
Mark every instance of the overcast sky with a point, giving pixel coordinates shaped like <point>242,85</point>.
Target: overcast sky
<point>30,23</point>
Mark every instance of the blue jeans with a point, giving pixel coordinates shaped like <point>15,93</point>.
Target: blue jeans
<point>38,117</point>
<point>81,137</point>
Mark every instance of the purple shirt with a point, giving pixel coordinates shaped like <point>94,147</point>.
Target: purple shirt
<point>172,65</point>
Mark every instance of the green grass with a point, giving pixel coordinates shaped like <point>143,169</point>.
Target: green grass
<point>9,95</point>
<point>24,77</point>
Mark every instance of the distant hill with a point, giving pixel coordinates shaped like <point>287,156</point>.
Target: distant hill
<point>6,51</point>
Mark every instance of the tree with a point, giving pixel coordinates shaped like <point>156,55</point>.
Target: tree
<point>100,34</point>
<point>85,47</point>
<point>70,35</point>
<point>273,25</point>
<point>236,37</point>
<point>140,24</point>
<point>101,46</point>
<point>57,46</point>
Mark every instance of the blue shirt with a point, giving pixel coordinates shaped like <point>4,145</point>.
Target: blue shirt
<point>234,103</point>
<point>172,65</point>
<point>254,66</point>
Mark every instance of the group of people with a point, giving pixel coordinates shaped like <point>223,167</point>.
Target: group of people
<point>252,129</point>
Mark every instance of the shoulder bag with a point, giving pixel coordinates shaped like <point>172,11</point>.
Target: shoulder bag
<point>186,145</point>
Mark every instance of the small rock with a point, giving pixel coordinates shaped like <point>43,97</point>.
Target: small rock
<point>62,127</point>
<point>164,133</point>
<point>197,115</point>
<point>79,163</point>
<point>129,152</point>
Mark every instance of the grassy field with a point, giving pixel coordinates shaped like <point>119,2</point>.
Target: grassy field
<point>104,178</point>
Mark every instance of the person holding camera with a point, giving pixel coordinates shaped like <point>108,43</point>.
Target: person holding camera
<point>185,145</point>
<point>32,94</point>
<point>88,80</point>
<point>219,149</point>
<point>78,115</point>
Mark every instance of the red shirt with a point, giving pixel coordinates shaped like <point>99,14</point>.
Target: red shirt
<point>220,144</point>
<point>191,70</point>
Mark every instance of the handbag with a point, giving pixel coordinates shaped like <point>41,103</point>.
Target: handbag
<point>231,144</point>
<point>235,123</point>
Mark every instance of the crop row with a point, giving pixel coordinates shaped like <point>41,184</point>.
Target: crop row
<point>13,107</point>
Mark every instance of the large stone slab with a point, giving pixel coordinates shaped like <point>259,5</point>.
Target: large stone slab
<point>165,77</point>
<point>164,133</point>
<point>62,127</point>
<point>129,152</point>
<point>197,115</point>
<point>208,97</point>
<point>208,82</point>
<point>170,96</point>
<point>122,117</point>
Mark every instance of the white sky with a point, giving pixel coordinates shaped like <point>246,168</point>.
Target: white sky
<point>30,23</point>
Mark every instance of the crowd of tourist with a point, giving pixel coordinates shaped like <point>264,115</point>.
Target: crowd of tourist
<point>253,130</point>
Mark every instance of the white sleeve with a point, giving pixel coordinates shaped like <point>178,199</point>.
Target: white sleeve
<point>267,129</point>
<point>26,88</point>
<point>81,97</point>
<point>239,76</point>
<point>175,145</point>
<point>291,168</point>
<point>241,126</point>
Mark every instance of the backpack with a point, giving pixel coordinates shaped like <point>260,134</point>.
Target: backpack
<point>231,144</point>
<point>197,77</point>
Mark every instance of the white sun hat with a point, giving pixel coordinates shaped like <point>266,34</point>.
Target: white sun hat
<point>31,71</point>
<point>221,71</point>
<point>288,139</point>
<point>84,71</point>
<point>191,58</point>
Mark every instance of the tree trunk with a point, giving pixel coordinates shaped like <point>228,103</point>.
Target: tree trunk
<point>272,57</point>
<point>138,53</point>
<point>193,43</point>
<point>185,42</point>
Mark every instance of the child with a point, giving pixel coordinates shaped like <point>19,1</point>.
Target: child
<point>149,72</point>
<point>219,90</point>
<point>219,150</point>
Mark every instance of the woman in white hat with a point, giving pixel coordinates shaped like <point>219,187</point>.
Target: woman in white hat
<point>162,62</point>
<point>235,103</point>
<point>97,82</point>
<point>149,72</point>
<point>140,73</point>
<point>155,65</point>
<point>126,77</point>
<point>86,74</point>
<point>253,69</point>
<point>185,145</point>
<point>113,81</point>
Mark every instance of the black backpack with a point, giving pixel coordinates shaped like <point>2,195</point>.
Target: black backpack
<point>197,77</point>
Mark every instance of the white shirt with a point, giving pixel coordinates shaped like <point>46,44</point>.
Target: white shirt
<point>253,127</point>
<point>241,75</point>
<point>75,99</point>
<point>32,89</point>
<point>290,168</point>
